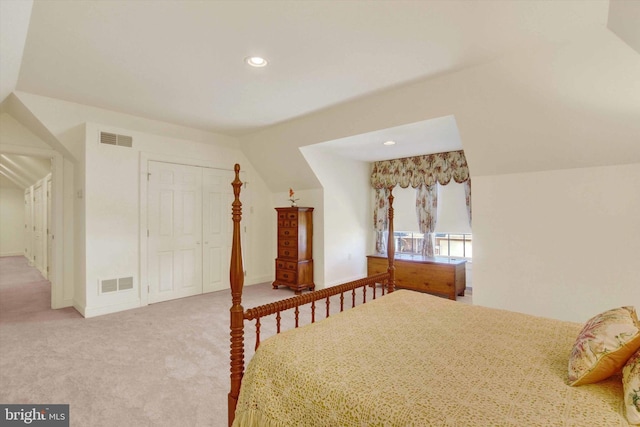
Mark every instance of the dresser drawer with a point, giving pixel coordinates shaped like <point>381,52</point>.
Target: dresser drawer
<point>287,243</point>
<point>287,215</point>
<point>288,276</point>
<point>289,223</point>
<point>285,265</point>
<point>285,252</point>
<point>284,232</point>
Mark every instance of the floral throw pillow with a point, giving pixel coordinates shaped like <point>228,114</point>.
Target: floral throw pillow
<point>631,383</point>
<point>604,345</point>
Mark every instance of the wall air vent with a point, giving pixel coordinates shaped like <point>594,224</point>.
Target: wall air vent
<point>125,283</point>
<point>115,285</point>
<point>109,285</point>
<point>115,139</point>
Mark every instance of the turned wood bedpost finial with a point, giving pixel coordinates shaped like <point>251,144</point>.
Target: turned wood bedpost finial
<point>236,277</point>
<point>391,247</point>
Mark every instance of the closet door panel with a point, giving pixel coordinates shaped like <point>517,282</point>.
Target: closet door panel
<point>28,224</point>
<point>39,240</point>
<point>49,223</point>
<point>217,228</point>
<point>175,231</point>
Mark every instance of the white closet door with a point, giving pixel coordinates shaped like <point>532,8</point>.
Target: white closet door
<point>39,240</point>
<point>175,231</point>
<point>217,227</point>
<point>28,224</point>
<point>49,223</point>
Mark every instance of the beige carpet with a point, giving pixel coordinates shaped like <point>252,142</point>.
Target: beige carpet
<point>162,365</point>
<point>25,295</point>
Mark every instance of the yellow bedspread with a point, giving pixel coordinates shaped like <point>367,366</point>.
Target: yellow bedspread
<point>411,359</point>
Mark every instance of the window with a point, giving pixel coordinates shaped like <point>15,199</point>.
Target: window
<point>453,245</point>
<point>408,242</point>
<point>452,234</point>
<point>459,245</point>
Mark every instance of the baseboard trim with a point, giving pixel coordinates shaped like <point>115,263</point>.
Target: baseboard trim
<point>11,254</point>
<point>254,280</point>
<point>108,309</point>
<point>339,282</point>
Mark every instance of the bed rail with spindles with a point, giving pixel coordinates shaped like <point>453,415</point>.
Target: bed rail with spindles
<point>238,314</point>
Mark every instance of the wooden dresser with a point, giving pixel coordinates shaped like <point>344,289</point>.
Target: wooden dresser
<point>435,275</point>
<point>294,265</point>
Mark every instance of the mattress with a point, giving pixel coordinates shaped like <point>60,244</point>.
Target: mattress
<point>412,359</point>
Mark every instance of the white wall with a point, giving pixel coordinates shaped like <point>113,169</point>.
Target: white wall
<point>114,207</point>
<point>259,216</point>
<point>111,217</point>
<point>75,201</point>
<point>13,132</point>
<point>11,221</point>
<point>561,244</point>
<point>345,214</point>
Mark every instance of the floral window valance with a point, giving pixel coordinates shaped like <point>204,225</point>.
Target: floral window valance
<point>419,170</point>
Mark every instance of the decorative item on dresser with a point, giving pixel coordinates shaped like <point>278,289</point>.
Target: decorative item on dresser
<point>294,265</point>
<point>292,199</point>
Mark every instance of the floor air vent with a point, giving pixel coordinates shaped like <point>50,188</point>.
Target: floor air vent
<point>115,139</point>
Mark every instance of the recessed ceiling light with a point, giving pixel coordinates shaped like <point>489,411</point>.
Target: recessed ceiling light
<point>256,61</point>
<point>389,143</point>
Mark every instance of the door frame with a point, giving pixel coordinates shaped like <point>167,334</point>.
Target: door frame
<point>56,277</point>
<point>145,158</point>
<point>40,247</point>
<point>49,221</point>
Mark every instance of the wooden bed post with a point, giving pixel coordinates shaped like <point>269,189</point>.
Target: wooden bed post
<point>236,275</point>
<point>391,247</point>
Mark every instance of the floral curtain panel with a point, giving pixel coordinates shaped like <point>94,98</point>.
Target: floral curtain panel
<point>467,195</point>
<point>427,213</point>
<point>381,219</point>
<point>421,170</point>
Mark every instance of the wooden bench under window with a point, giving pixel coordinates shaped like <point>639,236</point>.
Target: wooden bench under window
<point>434,275</point>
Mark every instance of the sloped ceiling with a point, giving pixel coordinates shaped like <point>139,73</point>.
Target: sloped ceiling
<point>624,21</point>
<point>23,171</point>
<point>182,62</point>
<point>14,24</point>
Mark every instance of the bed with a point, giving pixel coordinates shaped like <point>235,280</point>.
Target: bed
<point>407,359</point>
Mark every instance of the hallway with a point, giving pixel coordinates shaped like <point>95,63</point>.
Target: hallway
<point>25,295</point>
